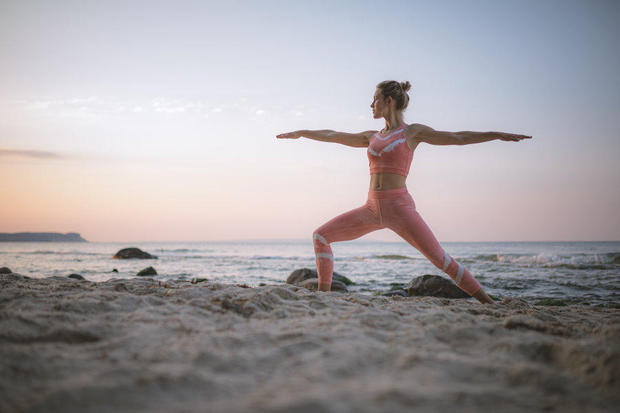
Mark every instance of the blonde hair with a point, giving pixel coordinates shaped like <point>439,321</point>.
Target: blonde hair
<point>397,91</point>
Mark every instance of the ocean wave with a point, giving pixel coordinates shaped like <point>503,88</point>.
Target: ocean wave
<point>579,266</point>
<point>488,257</point>
<point>47,252</point>
<point>575,262</point>
<point>392,257</point>
<point>183,250</point>
<point>270,257</point>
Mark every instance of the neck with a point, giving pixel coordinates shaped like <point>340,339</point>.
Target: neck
<point>393,121</point>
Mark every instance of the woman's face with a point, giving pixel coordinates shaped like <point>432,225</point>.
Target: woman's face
<point>379,105</point>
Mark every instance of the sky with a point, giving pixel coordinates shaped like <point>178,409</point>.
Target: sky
<point>156,120</point>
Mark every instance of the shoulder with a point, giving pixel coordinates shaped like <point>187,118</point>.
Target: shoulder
<point>415,131</point>
<point>367,135</point>
<point>416,128</point>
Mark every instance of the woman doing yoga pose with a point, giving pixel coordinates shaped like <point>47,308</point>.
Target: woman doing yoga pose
<point>389,204</point>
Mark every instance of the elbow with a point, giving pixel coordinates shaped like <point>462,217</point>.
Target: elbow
<point>330,135</point>
<point>459,138</point>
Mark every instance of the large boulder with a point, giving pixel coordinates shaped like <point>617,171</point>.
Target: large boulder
<point>434,286</point>
<point>76,276</point>
<point>303,274</point>
<point>5,270</point>
<point>128,253</point>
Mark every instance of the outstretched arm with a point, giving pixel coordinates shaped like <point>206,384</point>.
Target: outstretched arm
<point>423,133</point>
<point>357,140</point>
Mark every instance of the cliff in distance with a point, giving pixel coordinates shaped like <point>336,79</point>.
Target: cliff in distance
<point>41,237</point>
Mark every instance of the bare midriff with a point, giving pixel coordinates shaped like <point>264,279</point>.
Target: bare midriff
<point>385,181</point>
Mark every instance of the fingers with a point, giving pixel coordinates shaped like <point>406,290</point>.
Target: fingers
<point>288,135</point>
<point>515,138</point>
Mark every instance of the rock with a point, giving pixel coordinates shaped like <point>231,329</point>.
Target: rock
<point>313,284</point>
<point>11,277</point>
<point>303,274</point>
<point>198,280</point>
<point>76,276</point>
<point>128,253</point>
<point>435,286</point>
<point>5,270</point>
<point>147,272</point>
<point>114,270</point>
<point>391,293</point>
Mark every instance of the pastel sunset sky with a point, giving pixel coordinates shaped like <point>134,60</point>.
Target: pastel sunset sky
<point>156,120</point>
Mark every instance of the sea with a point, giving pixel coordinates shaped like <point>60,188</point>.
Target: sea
<point>584,273</point>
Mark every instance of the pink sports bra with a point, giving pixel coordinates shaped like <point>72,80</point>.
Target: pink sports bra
<point>390,152</point>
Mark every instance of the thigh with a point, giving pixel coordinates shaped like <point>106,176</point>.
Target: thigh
<point>405,220</point>
<point>350,225</point>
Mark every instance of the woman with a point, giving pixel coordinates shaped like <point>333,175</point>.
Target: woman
<point>389,205</point>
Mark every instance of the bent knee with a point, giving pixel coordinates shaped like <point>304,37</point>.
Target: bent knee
<point>318,239</point>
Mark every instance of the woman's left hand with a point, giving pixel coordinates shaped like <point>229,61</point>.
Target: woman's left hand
<point>513,137</point>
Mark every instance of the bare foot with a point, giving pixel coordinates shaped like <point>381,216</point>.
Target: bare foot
<point>325,286</point>
<point>481,296</point>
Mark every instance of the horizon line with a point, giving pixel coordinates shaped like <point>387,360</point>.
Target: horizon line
<point>356,240</point>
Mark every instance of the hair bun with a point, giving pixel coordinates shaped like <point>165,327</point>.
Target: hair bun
<point>405,85</point>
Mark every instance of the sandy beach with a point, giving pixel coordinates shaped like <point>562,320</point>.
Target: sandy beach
<point>144,345</point>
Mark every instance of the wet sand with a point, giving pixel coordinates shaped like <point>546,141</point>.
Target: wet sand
<point>143,345</point>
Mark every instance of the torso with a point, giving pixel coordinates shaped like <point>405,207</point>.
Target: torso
<point>385,181</point>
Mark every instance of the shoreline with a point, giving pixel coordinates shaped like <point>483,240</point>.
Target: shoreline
<point>143,344</point>
<point>581,274</point>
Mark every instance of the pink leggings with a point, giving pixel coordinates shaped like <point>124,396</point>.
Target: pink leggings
<point>393,209</point>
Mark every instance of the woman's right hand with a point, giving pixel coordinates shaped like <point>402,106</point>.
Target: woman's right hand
<point>289,135</point>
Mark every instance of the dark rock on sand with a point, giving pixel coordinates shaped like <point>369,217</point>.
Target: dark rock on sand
<point>198,280</point>
<point>304,274</point>
<point>435,286</point>
<point>114,270</point>
<point>128,253</point>
<point>147,272</point>
<point>5,270</point>
<point>313,284</point>
<point>76,276</point>
<point>392,293</point>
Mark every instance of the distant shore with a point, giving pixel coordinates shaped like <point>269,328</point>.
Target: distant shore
<point>146,345</point>
<point>40,237</point>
